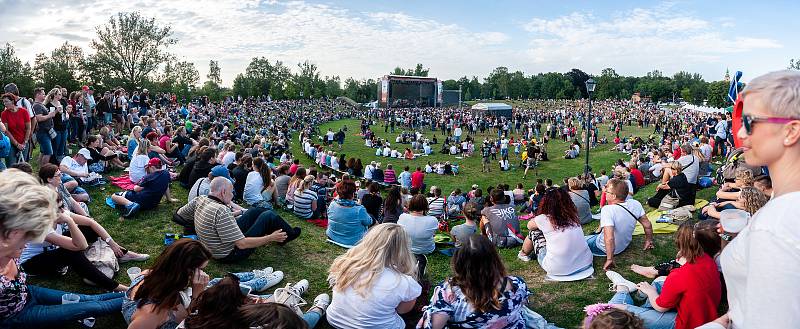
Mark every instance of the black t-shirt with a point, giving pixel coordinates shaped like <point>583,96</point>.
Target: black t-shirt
<point>44,126</point>
<point>372,203</point>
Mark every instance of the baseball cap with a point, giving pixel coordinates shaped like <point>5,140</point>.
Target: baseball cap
<point>85,88</point>
<point>85,153</point>
<point>221,171</point>
<point>154,162</point>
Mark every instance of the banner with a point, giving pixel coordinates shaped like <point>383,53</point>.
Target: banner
<point>384,90</point>
<point>439,91</point>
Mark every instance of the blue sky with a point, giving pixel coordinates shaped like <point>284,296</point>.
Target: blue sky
<point>366,39</point>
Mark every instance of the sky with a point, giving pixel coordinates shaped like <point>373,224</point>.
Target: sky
<point>367,39</point>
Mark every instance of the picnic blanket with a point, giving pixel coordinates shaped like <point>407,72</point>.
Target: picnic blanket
<point>123,182</point>
<point>664,228</point>
<point>323,223</point>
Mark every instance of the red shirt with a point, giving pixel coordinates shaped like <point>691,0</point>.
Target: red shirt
<point>416,179</point>
<point>694,290</point>
<point>15,123</point>
<point>637,177</point>
<point>677,153</point>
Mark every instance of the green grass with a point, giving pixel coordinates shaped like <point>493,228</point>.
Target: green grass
<point>310,256</point>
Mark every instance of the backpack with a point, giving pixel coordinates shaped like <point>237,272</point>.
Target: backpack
<point>5,145</point>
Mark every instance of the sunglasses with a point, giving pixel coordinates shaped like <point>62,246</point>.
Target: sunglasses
<point>749,120</point>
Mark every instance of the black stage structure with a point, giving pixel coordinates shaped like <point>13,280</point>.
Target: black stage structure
<point>409,91</point>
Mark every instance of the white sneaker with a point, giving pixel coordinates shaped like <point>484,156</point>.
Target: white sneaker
<point>321,302</point>
<point>263,273</point>
<point>618,282</point>
<point>301,287</point>
<point>273,279</point>
<point>523,257</point>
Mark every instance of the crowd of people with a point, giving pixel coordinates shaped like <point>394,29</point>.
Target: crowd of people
<point>234,159</point>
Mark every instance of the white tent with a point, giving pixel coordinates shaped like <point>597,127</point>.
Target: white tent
<point>704,109</point>
<point>499,109</point>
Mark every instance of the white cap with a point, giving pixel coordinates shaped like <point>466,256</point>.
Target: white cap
<point>85,153</point>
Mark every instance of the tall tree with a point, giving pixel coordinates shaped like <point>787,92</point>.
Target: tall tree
<point>63,67</point>
<point>13,70</point>
<point>794,64</point>
<point>717,94</point>
<point>131,47</point>
<point>578,79</point>
<point>214,72</point>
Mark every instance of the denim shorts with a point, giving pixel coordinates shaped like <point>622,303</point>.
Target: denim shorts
<point>45,143</point>
<point>591,240</point>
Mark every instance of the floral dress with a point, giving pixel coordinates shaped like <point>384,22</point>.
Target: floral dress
<point>13,293</point>
<point>450,300</point>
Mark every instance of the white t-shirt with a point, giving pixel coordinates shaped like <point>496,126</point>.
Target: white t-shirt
<point>761,267</point>
<point>616,218</point>
<point>201,187</point>
<point>691,168</point>
<point>421,230</point>
<point>349,310</point>
<point>252,188</point>
<point>369,171</point>
<point>229,158</point>
<point>567,251</point>
<point>73,165</point>
<point>136,170</point>
<point>33,249</point>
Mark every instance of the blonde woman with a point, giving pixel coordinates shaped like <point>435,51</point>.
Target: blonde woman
<point>677,185</point>
<point>136,169</point>
<point>305,200</point>
<point>375,281</point>
<point>134,139</point>
<point>730,191</point>
<point>750,200</point>
<point>294,182</point>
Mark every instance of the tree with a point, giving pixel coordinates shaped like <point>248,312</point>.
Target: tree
<point>179,77</point>
<point>131,47</point>
<point>417,71</point>
<point>609,85</point>
<point>13,70</point>
<point>64,67</point>
<point>214,72</point>
<point>717,94</point>
<point>578,79</point>
<point>794,64</point>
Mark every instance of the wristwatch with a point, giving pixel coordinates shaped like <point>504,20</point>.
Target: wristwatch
<point>108,239</point>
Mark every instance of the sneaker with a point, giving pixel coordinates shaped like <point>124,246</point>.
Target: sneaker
<point>131,209</point>
<point>132,256</point>
<point>523,257</point>
<point>618,282</point>
<point>321,302</point>
<point>264,272</point>
<point>264,281</point>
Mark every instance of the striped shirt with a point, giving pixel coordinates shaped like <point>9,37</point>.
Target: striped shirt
<point>302,203</point>
<point>389,176</point>
<point>435,206</point>
<point>214,222</point>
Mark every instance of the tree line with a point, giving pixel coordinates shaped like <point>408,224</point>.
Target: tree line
<point>132,51</point>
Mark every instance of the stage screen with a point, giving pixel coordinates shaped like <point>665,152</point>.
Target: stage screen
<point>412,93</point>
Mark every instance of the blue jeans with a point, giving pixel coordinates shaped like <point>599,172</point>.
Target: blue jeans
<point>652,319</point>
<point>11,158</point>
<point>60,144</point>
<point>44,308</point>
<point>591,240</point>
<point>258,222</point>
<point>246,279</point>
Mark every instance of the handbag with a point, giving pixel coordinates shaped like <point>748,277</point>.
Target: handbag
<point>102,256</point>
<point>669,202</point>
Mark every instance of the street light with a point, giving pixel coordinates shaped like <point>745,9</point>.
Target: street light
<point>590,84</point>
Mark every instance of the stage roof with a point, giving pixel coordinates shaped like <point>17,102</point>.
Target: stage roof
<point>409,78</point>
<point>491,106</point>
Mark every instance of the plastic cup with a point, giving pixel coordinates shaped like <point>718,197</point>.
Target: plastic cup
<point>734,220</point>
<point>70,298</point>
<point>134,272</point>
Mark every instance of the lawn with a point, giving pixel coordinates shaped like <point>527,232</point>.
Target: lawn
<point>310,256</point>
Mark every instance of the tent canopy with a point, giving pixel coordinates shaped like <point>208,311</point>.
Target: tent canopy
<point>704,109</point>
<point>491,106</point>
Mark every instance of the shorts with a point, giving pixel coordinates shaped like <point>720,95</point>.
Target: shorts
<point>45,143</point>
<point>106,117</point>
<point>130,196</point>
<point>485,160</point>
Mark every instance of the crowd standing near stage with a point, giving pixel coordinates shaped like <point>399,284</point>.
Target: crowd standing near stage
<point>234,158</point>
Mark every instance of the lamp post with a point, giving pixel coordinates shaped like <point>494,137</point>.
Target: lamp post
<point>590,84</point>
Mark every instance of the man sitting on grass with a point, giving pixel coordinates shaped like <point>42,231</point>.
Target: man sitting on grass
<point>617,221</point>
<point>147,193</point>
<point>229,239</point>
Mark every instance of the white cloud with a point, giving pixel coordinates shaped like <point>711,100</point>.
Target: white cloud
<point>341,42</point>
<point>634,40</point>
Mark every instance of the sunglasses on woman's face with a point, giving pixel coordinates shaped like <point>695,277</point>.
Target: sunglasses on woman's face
<point>749,120</point>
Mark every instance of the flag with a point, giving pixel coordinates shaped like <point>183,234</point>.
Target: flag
<point>733,90</point>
